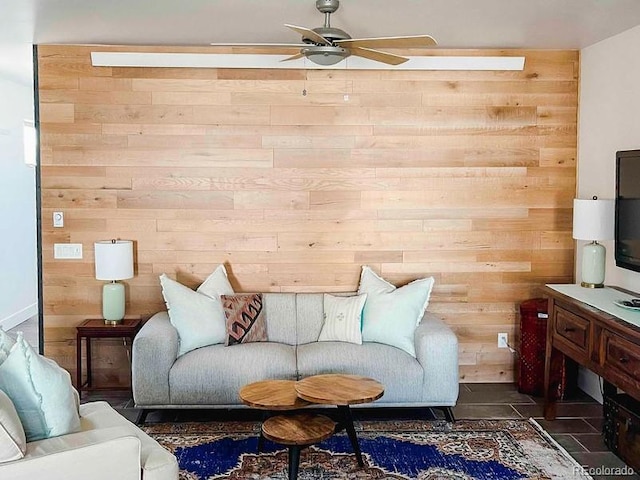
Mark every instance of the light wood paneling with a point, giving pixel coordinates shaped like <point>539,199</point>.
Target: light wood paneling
<point>466,176</point>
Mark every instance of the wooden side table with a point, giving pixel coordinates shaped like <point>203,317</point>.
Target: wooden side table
<point>96,328</point>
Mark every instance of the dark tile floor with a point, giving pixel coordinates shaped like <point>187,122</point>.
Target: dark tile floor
<point>577,427</point>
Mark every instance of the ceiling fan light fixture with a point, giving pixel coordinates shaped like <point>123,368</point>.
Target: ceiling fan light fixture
<point>325,55</point>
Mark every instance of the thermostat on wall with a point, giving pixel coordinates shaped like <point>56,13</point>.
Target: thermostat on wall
<point>58,219</point>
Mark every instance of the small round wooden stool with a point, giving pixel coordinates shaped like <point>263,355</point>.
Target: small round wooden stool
<point>297,432</point>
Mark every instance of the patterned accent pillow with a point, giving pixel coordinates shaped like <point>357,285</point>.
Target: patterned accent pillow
<point>246,320</point>
<point>342,319</point>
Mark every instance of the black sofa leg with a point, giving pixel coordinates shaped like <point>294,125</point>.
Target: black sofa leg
<point>143,416</point>
<point>448,414</point>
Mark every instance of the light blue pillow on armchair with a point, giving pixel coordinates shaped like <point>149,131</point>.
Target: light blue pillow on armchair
<point>6,342</point>
<point>41,392</point>
<point>391,314</point>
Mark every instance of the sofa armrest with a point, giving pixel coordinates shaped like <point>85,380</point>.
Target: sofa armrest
<point>96,454</point>
<point>155,350</point>
<point>437,351</point>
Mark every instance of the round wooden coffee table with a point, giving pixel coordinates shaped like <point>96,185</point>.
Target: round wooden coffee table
<point>341,390</point>
<point>297,432</point>
<point>272,395</point>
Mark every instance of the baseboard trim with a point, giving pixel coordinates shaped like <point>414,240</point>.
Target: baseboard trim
<point>17,318</point>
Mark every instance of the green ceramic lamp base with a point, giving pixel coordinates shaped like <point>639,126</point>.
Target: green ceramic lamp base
<point>113,302</point>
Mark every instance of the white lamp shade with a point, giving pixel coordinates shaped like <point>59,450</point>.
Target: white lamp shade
<point>114,259</point>
<point>593,219</point>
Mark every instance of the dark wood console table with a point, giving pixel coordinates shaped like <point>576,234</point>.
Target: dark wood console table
<point>595,339</point>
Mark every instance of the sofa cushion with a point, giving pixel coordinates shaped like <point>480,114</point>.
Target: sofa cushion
<point>280,309</point>
<point>246,320</point>
<point>310,313</point>
<point>155,461</point>
<point>214,375</point>
<point>399,372</point>
<point>342,319</point>
<point>13,442</point>
<point>198,318</point>
<point>392,314</point>
<point>41,392</point>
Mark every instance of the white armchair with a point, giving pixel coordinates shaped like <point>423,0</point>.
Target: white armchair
<point>107,447</point>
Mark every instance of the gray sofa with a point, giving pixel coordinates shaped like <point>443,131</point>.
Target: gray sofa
<point>210,377</point>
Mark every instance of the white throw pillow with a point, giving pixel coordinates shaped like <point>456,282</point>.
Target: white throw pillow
<point>392,314</point>
<point>13,443</point>
<point>198,318</point>
<point>40,391</point>
<point>6,342</point>
<point>342,319</point>
<point>216,284</point>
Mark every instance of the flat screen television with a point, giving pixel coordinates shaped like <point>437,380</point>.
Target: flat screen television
<point>627,229</point>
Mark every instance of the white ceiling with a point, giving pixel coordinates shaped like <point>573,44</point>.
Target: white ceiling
<point>555,24</point>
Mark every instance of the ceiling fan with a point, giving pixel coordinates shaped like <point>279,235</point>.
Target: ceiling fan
<point>324,46</point>
<point>328,45</point>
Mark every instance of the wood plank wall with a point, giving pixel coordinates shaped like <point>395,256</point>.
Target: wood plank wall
<point>466,176</point>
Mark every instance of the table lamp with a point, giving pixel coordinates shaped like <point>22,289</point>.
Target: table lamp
<point>114,261</point>
<point>593,220</point>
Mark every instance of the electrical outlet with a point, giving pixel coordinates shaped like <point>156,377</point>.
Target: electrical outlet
<point>503,340</point>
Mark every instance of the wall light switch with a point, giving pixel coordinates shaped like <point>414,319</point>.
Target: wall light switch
<point>58,219</point>
<point>67,251</point>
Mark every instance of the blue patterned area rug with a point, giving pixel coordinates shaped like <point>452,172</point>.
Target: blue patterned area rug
<point>405,449</point>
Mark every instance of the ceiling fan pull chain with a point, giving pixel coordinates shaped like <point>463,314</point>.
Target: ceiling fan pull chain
<point>304,84</point>
<point>345,97</point>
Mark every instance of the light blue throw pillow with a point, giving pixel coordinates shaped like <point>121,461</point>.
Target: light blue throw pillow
<point>216,284</point>
<point>41,392</point>
<point>6,342</point>
<point>198,318</point>
<point>391,314</point>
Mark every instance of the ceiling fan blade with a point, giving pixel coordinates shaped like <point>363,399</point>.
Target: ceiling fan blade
<point>413,41</point>
<point>309,34</point>
<point>296,45</point>
<point>378,56</point>
<point>292,57</point>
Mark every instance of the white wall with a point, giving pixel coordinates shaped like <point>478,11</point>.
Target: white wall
<point>609,120</point>
<point>18,265</point>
